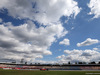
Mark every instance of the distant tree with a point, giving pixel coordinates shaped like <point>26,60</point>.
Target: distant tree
<point>22,61</point>
<point>75,62</point>
<point>69,62</point>
<point>99,62</point>
<point>38,63</point>
<point>30,63</point>
<point>64,64</point>
<point>92,62</point>
<point>13,61</point>
<point>25,63</point>
<point>35,63</point>
<point>84,62</point>
<point>80,63</point>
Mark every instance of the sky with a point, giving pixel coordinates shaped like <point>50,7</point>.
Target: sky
<point>50,31</point>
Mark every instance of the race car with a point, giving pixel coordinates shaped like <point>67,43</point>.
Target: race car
<point>44,69</point>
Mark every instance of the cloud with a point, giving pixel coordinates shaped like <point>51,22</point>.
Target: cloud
<point>65,42</point>
<point>72,52</point>
<point>88,42</point>
<point>95,48</point>
<point>94,5</point>
<point>20,9</point>
<point>62,56</point>
<point>28,42</point>
<point>79,56</point>
<point>52,11</point>
<point>72,28</point>
<point>44,62</point>
<point>1,20</point>
<point>45,12</point>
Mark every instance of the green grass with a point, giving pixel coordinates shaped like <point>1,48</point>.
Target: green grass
<point>23,72</point>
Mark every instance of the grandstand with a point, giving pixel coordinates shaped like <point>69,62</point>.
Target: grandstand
<point>51,67</point>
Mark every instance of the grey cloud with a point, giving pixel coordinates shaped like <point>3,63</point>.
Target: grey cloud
<point>30,41</point>
<point>86,54</point>
<point>7,44</point>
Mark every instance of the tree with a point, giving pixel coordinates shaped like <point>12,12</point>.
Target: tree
<point>99,62</point>
<point>80,63</point>
<point>22,61</point>
<point>14,62</point>
<point>25,63</point>
<point>84,62</point>
<point>75,62</point>
<point>69,62</point>
<point>30,63</point>
<point>92,62</point>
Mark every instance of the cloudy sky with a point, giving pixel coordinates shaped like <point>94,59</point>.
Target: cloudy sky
<point>50,31</point>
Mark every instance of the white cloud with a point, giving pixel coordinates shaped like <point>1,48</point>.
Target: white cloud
<point>65,42</point>
<point>88,42</point>
<point>79,56</point>
<point>62,56</point>
<point>28,42</point>
<point>72,52</point>
<point>53,10</point>
<point>95,48</point>
<point>94,5</point>
<point>44,62</point>
<point>1,20</point>
<point>72,28</point>
<point>47,11</point>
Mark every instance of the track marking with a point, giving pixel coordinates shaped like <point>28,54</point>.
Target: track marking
<point>92,73</point>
